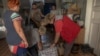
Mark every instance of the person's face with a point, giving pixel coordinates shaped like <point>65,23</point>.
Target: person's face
<point>34,6</point>
<point>17,8</point>
<point>53,7</point>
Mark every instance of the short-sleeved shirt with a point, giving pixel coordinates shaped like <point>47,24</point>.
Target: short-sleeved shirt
<point>58,26</point>
<point>12,36</point>
<point>36,15</point>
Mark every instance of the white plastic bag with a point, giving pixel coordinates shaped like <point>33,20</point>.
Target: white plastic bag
<point>2,28</point>
<point>49,52</point>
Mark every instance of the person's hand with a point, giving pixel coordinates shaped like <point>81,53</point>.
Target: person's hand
<point>26,44</point>
<point>53,45</point>
<point>40,46</point>
<point>42,16</point>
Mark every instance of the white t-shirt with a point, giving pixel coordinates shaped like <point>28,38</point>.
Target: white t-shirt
<point>58,17</point>
<point>70,16</point>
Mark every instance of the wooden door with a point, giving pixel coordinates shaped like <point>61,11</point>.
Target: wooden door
<point>94,36</point>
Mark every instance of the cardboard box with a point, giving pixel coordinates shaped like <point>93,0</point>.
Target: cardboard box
<point>80,37</point>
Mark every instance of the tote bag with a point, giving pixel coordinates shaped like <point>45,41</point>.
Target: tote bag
<point>70,29</point>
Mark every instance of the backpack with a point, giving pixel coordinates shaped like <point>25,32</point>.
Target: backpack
<point>70,30</point>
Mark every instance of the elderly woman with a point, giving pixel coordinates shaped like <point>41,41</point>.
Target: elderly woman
<point>57,20</point>
<point>15,35</point>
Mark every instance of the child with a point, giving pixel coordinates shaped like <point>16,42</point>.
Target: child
<point>44,34</point>
<point>46,38</point>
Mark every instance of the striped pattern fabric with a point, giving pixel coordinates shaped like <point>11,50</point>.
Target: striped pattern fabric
<point>4,49</point>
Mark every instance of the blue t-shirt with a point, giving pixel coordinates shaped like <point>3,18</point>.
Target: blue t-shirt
<point>12,37</point>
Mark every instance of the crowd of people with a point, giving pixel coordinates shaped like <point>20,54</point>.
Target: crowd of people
<point>41,24</point>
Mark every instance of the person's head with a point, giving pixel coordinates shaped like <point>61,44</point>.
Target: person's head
<point>53,7</point>
<point>13,5</point>
<point>42,30</point>
<point>34,6</point>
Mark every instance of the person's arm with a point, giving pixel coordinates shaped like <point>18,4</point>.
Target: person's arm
<point>37,36</point>
<point>16,19</point>
<point>58,29</point>
<point>39,44</point>
<point>41,13</point>
<point>57,36</point>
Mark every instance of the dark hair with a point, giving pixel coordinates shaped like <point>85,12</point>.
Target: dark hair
<point>34,3</point>
<point>53,5</point>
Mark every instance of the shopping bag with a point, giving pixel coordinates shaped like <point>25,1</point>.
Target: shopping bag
<point>48,52</point>
<point>70,30</point>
